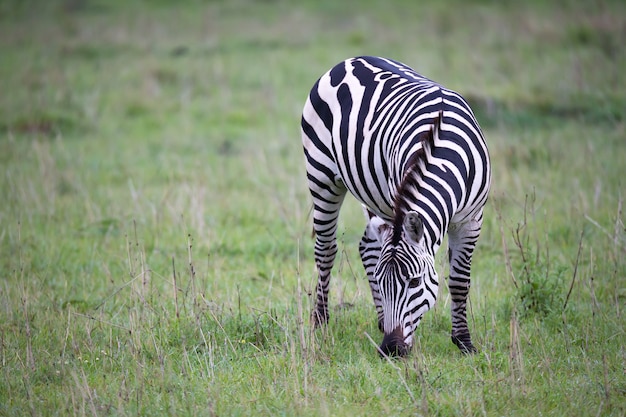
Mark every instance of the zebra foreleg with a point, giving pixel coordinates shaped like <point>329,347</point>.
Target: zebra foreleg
<point>461,243</point>
<point>369,249</point>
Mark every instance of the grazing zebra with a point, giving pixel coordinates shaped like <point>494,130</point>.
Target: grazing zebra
<point>414,155</point>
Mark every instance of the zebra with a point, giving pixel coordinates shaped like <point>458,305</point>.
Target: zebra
<point>413,153</point>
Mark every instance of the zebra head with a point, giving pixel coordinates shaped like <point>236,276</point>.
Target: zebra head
<point>407,281</point>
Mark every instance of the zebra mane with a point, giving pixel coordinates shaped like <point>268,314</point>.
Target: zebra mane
<point>414,167</point>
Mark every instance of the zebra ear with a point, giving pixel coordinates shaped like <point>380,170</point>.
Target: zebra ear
<point>413,226</point>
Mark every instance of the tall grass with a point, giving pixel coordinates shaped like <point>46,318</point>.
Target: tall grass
<point>155,231</point>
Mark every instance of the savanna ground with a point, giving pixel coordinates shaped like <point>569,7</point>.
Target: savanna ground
<point>155,245</point>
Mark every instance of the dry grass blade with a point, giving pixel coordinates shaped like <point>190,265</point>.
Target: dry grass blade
<point>397,368</point>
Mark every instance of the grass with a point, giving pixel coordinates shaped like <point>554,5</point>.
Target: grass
<point>155,231</point>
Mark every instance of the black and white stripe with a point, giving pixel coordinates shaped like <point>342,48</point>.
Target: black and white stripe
<point>413,154</point>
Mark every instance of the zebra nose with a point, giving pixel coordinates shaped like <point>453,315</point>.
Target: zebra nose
<point>393,344</point>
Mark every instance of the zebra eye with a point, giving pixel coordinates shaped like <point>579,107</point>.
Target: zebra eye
<point>415,282</point>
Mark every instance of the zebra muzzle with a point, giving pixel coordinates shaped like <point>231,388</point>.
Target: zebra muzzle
<point>393,344</point>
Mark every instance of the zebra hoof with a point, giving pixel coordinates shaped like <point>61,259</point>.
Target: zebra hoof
<point>464,343</point>
<point>319,318</point>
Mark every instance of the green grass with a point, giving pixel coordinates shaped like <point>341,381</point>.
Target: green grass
<point>155,245</point>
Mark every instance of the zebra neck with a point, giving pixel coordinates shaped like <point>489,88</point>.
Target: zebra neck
<point>435,223</point>
<point>423,194</point>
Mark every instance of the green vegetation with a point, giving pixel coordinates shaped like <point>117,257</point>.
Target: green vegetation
<point>155,242</point>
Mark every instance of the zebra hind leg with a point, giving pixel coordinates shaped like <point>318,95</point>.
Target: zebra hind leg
<point>461,242</point>
<point>325,214</point>
<point>325,251</point>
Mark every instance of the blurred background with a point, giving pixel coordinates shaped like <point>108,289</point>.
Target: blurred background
<point>153,192</point>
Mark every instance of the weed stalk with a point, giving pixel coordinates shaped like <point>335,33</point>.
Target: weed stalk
<point>516,361</point>
<point>192,271</point>
<point>30,357</point>
<point>505,247</point>
<point>175,289</point>
<point>571,286</point>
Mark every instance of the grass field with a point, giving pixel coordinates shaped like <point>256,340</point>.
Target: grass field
<point>155,245</point>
